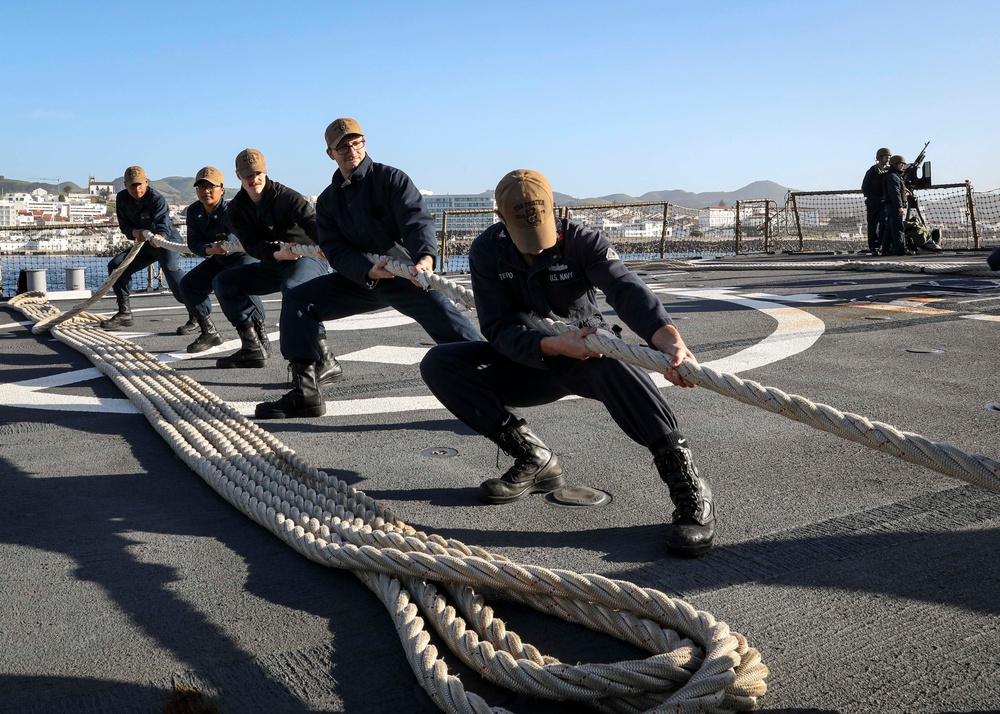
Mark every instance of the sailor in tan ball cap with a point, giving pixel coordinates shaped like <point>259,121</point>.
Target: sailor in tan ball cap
<point>143,216</point>
<point>368,208</point>
<point>535,262</point>
<point>269,218</point>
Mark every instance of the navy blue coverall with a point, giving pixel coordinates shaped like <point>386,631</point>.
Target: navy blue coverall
<point>873,188</point>
<point>894,234</point>
<point>204,229</point>
<point>477,382</point>
<point>149,213</point>
<point>281,216</point>
<point>377,210</point>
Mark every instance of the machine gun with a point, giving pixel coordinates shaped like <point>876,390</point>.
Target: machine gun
<point>910,178</point>
<point>918,233</point>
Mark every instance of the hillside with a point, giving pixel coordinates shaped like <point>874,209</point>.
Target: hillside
<point>179,190</point>
<point>21,186</point>
<point>757,189</point>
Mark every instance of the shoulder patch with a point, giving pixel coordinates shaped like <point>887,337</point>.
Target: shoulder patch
<point>611,254</point>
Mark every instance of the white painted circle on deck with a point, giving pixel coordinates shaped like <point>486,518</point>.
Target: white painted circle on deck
<point>796,330</point>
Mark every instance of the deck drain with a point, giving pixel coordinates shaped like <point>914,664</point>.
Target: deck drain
<point>578,497</point>
<point>924,350</point>
<point>439,452</point>
<point>878,317</point>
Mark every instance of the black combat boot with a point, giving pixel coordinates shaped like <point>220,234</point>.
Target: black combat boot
<point>122,318</point>
<point>328,369</point>
<point>189,327</point>
<point>693,521</point>
<point>250,354</point>
<point>208,338</point>
<point>536,469</point>
<point>265,342</point>
<point>305,399</point>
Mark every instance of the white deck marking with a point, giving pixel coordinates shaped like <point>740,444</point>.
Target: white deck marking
<point>385,354</point>
<point>807,298</point>
<point>369,321</point>
<point>985,318</point>
<point>796,332</point>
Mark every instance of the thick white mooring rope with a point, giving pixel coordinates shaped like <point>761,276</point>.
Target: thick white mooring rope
<point>697,663</point>
<point>978,470</point>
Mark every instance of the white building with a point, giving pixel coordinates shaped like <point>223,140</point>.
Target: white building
<point>469,223</point>
<point>86,212</point>
<point>38,206</point>
<point>809,217</point>
<point>717,217</point>
<point>633,229</point>
<point>53,244</point>
<point>8,213</point>
<point>100,188</point>
<point>644,230</point>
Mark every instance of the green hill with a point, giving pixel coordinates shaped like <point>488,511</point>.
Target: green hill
<point>18,186</point>
<point>180,190</point>
<point>757,189</point>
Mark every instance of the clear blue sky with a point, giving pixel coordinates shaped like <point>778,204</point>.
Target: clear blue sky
<point>602,97</point>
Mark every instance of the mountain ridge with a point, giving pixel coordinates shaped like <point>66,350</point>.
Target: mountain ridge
<point>678,197</point>
<point>180,190</point>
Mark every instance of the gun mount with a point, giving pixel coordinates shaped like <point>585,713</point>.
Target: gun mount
<point>910,178</point>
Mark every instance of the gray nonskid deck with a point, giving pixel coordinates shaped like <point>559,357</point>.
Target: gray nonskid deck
<point>868,584</point>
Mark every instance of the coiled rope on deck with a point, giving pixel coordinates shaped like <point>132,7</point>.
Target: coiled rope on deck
<point>697,663</point>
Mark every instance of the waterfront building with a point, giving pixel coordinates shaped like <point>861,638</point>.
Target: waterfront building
<point>19,209</point>
<point>809,217</point>
<point>634,229</point>
<point>644,230</point>
<point>86,212</point>
<point>8,213</point>
<point>716,217</point>
<point>462,224</point>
